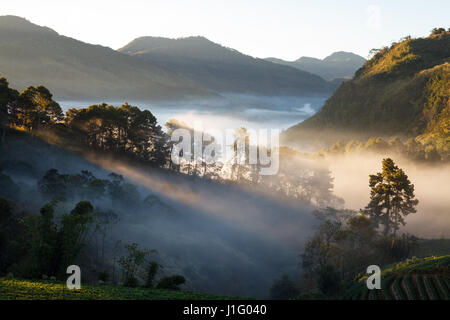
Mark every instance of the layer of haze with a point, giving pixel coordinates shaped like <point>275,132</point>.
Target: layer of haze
<point>224,239</point>
<point>285,29</point>
<point>432,219</point>
<point>232,112</point>
<point>351,173</point>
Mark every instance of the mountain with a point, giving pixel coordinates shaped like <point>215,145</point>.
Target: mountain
<point>403,90</point>
<point>31,55</point>
<point>223,69</point>
<point>339,65</point>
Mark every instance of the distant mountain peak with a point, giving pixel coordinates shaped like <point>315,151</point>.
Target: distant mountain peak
<point>344,56</point>
<point>334,57</point>
<point>224,69</point>
<point>338,65</point>
<point>193,44</point>
<point>307,59</point>
<point>19,24</point>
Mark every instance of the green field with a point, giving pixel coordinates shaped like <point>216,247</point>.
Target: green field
<point>413,279</point>
<point>14,289</point>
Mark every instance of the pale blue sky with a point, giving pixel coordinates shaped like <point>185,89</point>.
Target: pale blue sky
<point>285,29</point>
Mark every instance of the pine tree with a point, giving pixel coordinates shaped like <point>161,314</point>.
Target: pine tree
<point>391,197</point>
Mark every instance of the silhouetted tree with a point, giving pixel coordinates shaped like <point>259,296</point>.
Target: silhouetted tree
<point>131,263</point>
<point>283,288</point>
<point>152,270</point>
<point>8,103</point>
<point>391,197</point>
<point>329,282</point>
<point>437,31</point>
<point>75,230</point>
<point>171,282</point>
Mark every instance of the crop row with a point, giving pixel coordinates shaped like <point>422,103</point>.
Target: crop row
<point>409,287</point>
<point>396,289</point>
<point>443,285</point>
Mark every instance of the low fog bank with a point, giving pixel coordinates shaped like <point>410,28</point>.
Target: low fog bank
<point>432,219</point>
<point>222,238</point>
<point>230,112</point>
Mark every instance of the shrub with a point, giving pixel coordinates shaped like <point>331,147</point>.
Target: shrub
<point>131,282</point>
<point>103,276</point>
<point>171,282</point>
<point>283,288</point>
<point>152,270</point>
<point>329,280</point>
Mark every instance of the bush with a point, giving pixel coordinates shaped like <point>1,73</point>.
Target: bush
<point>171,283</point>
<point>103,276</point>
<point>152,270</point>
<point>131,282</point>
<point>283,289</point>
<point>312,296</point>
<point>391,249</point>
<point>329,282</point>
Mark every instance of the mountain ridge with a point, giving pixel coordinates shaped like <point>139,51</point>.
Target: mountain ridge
<point>224,69</point>
<point>338,65</point>
<point>72,69</point>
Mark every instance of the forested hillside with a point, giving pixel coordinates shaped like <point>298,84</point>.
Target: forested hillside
<point>403,90</point>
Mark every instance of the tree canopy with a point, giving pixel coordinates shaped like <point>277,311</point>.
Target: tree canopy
<point>391,197</point>
<point>124,129</point>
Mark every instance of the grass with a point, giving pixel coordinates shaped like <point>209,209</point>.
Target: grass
<point>15,289</point>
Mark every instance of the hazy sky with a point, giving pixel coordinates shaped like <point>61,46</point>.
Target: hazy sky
<point>285,29</point>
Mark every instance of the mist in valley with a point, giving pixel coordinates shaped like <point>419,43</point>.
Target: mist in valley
<point>224,239</point>
<point>227,238</point>
<point>432,219</point>
<point>231,111</point>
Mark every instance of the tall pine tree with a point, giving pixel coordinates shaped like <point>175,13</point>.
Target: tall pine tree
<point>391,197</point>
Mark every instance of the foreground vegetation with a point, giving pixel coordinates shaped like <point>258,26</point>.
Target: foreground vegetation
<point>413,279</point>
<point>13,289</point>
<point>346,242</point>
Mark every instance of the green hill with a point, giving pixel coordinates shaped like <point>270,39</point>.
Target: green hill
<point>403,90</point>
<point>14,289</point>
<point>413,279</point>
